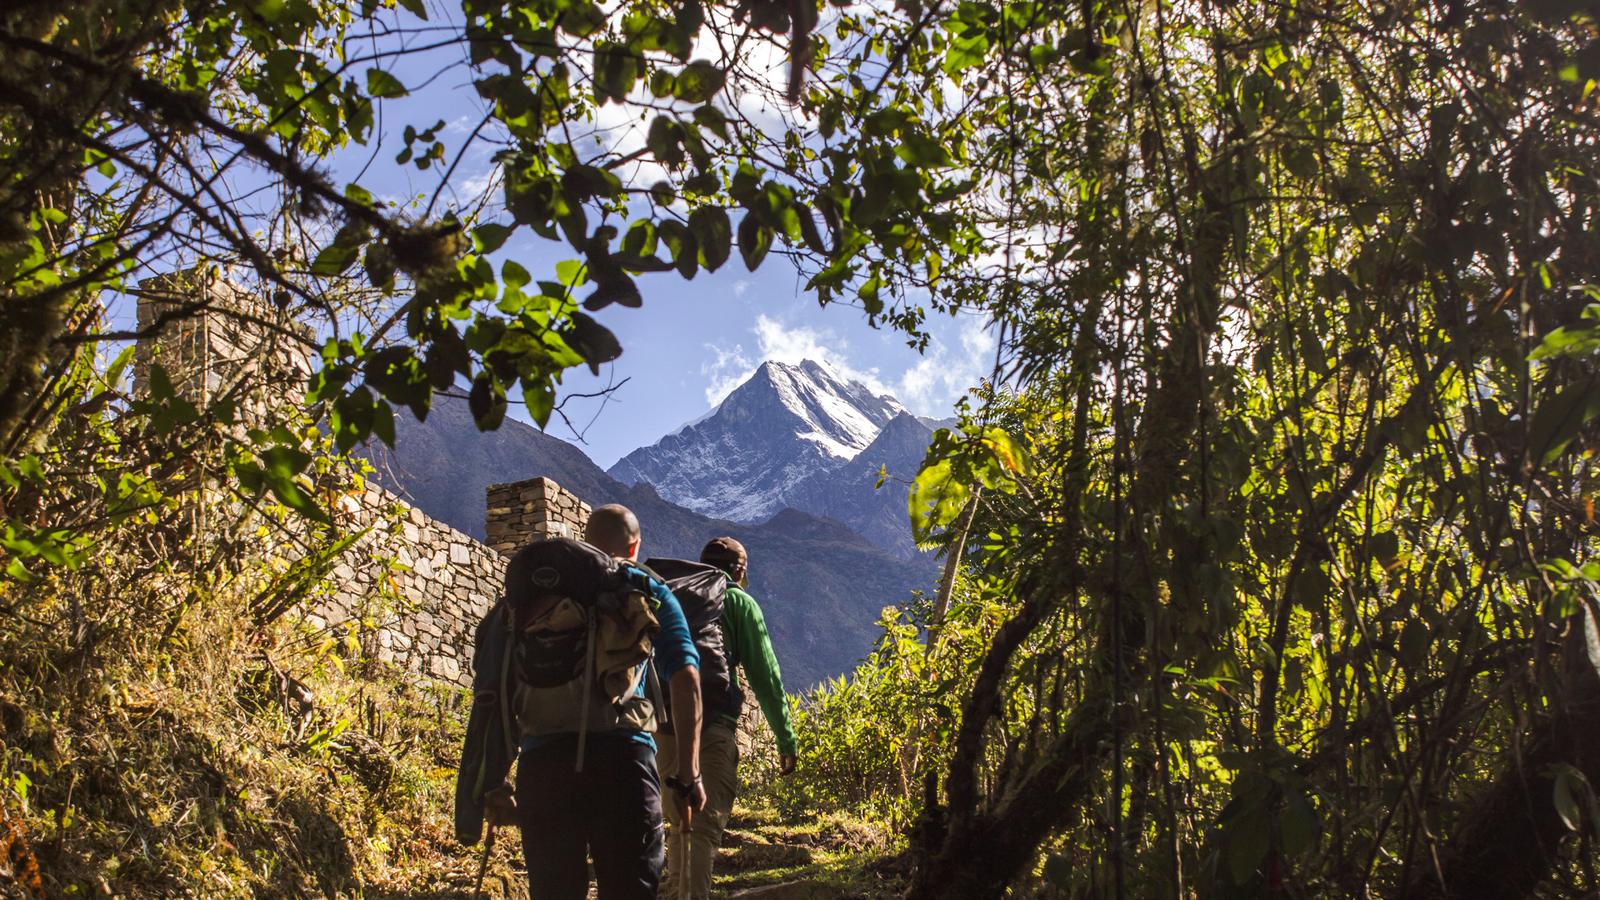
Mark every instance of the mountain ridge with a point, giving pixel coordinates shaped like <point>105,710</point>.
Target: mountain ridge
<point>852,494</point>
<point>784,424</point>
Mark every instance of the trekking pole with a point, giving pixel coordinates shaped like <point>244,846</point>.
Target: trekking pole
<point>483,864</point>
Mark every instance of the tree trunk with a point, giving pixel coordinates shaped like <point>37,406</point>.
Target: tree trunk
<point>952,566</point>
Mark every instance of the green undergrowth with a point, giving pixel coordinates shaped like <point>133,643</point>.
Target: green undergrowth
<point>218,759</point>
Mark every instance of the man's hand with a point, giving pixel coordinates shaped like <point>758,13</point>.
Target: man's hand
<point>500,806</point>
<point>689,796</point>
<point>786,763</point>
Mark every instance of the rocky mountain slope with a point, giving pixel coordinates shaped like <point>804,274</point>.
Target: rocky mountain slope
<point>819,583</point>
<point>744,459</point>
<point>850,492</point>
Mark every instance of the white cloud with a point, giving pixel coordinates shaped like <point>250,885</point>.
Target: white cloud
<point>783,343</point>
<point>478,184</point>
<point>796,344</point>
<point>942,375</point>
<point>727,371</point>
<point>929,386</point>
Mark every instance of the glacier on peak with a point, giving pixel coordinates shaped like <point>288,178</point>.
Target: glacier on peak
<point>782,425</point>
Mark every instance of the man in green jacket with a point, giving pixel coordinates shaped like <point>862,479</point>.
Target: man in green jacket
<point>691,850</point>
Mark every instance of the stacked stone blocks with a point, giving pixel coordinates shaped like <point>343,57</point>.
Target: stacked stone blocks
<point>216,342</point>
<point>525,510</point>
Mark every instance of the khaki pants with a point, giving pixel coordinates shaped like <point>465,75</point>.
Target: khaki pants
<point>690,852</point>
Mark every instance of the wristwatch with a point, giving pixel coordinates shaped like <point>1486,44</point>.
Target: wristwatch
<point>685,788</point>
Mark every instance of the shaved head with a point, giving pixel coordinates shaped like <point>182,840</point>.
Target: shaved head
<point>615,529</point>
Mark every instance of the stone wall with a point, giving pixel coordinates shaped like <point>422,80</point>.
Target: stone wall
<point>414,589</point>
<point>411,589</point>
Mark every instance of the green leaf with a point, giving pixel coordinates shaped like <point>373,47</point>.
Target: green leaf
<point>640,239</point>
<point>1058,870</point>
<point>379,263</point>
<point>1568,785</point>
<point>333,260</point>
<point>1569,340</point>
<point>616,68</point>
<point>681,245</point>
<point>616,288</point>
<point>490,236</point>
<point>922,151</point>
<point>1559,419</point>
<point>1249,840</point>
<point>113,376</point>
<point>1010,453</point>
<point>280,465</point>
<point>1414,642</point>
<point>868,292</point>
<point>965,52</point>
<point>1298,824</point>
<point>936,498</point>
<point>487,401</point>
<point>514,277</point>
<point>572,273</point>
<point>712,119</point>
<point>383,423</point>
<point>383,85</point>
<point>540,397</point>
<point>664,139</point>
<point>1384,546</point>
<point>755,239</point>
<point>582,19</point>
<point>808,229</point>
<point>713,235</point>
<point>699,82</point>
<point>593,341</point>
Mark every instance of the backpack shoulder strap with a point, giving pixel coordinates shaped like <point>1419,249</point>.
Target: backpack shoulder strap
<point>639,577</point>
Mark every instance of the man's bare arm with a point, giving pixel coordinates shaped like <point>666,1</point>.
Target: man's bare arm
<point>686,731</point>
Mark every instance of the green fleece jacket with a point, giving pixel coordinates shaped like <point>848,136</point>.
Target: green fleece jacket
<point>744,634</point>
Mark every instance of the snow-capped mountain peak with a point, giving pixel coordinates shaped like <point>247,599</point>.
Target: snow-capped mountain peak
<point>842,416</point>
<point>786,422</point>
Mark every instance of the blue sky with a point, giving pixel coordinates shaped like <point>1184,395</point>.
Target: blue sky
<point>692,341</point>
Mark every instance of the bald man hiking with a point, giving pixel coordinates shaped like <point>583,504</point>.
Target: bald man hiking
<point>731,634</point>
<point>563,672</point>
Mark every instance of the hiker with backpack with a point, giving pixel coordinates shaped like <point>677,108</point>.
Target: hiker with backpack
<point>730,634</point>
<point>565,683</point>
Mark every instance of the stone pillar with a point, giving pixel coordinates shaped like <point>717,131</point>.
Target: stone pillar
<point>525,511</point>
<point>217,342</point>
